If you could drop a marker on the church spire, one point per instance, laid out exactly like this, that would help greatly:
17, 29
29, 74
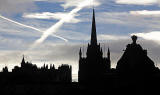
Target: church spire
93, 34
80, 53
108, 54
23, 61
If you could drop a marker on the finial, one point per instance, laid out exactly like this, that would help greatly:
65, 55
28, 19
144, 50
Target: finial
134, 39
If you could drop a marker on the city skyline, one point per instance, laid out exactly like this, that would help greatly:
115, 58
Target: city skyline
135, 73
116, 21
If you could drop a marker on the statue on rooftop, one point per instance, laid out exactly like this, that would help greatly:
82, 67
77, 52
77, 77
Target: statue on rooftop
134, 39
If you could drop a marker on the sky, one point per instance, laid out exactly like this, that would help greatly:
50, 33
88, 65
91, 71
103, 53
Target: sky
52, 31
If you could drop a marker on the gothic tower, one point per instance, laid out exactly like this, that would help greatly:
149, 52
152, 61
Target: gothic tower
94, 66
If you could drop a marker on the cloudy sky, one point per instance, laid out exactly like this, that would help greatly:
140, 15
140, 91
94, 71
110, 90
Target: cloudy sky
52, 31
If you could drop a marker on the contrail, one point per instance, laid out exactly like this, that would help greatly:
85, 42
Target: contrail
56, 26
31, 27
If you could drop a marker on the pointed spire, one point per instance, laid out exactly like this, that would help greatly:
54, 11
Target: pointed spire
108, 54
80, 53
93, 34
50, 66
23, 57
101, 52
23, 61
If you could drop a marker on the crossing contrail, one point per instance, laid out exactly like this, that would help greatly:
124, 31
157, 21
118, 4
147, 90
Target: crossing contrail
36, 29
68, 17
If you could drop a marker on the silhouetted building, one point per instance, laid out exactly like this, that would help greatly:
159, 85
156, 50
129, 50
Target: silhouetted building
135, 70
29, 73
135, 60
94, 66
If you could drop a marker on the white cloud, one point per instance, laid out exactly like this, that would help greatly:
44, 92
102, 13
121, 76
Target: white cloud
73, 3
146, 13
30, 27
49, 15
154, 36
111, 37
20, 24
138, 2
128, 19
54, 28
73, 35
16, 6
